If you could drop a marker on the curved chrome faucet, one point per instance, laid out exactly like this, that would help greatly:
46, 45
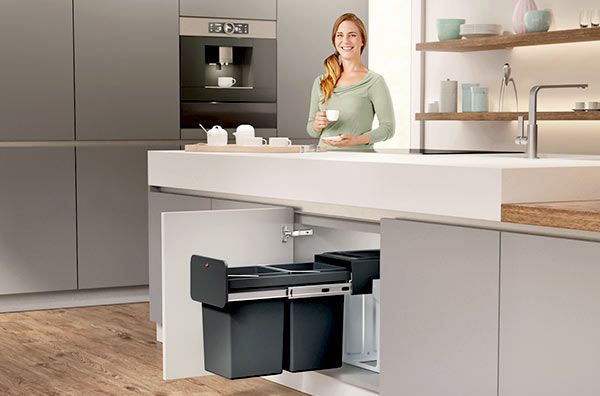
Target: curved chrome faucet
532, 135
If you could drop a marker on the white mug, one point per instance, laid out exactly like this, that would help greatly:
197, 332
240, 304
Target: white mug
279, 142
593, 105
332, 115
226, 81
254, 141
579, 105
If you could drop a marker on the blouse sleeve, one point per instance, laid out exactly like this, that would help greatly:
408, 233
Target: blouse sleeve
382, 104
314, 107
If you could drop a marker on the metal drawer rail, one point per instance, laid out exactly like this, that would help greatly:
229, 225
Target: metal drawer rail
296, 292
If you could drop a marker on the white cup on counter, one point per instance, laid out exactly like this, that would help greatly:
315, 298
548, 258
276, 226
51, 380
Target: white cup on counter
254, 141
279, 142
579, 106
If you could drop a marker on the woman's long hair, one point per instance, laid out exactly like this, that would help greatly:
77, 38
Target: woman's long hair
333, 69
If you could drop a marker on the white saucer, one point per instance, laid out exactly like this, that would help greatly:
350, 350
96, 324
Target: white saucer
332, 138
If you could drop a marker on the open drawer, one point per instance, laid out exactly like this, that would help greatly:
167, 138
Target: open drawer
260, 320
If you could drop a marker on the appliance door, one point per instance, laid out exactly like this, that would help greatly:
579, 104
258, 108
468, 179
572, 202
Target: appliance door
254, 67
228, 115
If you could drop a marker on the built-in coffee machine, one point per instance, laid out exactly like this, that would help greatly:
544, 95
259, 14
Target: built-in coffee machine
228, 73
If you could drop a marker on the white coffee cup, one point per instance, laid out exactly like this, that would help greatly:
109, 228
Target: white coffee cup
332, 115
279, 142
226, 81
254, 141
579, 105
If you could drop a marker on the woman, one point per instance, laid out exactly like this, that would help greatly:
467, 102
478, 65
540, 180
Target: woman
352, 89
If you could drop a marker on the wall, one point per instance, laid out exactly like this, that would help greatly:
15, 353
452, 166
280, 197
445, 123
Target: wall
390, 50
555, 64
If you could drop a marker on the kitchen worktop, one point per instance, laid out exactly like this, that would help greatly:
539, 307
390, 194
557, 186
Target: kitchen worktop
577, 215
374, 185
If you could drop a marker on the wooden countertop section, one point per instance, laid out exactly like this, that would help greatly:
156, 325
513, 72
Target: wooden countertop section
577, 215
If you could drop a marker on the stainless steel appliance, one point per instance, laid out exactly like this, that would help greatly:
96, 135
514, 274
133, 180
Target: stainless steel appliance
244, 51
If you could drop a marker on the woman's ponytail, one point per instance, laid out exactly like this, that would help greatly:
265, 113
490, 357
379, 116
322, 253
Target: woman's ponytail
333, 71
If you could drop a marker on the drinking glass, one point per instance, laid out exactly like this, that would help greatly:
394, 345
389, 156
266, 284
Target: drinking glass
595, 19
584, 18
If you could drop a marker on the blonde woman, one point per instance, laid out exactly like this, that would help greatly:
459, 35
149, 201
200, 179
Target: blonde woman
352, 89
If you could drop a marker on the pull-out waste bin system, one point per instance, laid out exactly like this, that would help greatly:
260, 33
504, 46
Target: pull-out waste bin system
260, 320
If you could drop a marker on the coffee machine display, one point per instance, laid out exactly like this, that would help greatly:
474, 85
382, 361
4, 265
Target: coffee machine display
228, 73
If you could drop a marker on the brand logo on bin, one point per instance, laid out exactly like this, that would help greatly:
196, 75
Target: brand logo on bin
206, 265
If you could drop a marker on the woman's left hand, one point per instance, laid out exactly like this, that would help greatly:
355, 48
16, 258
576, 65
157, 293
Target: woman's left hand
349, 140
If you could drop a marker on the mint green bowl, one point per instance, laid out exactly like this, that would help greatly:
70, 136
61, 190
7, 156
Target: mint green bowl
449, 29
537, 21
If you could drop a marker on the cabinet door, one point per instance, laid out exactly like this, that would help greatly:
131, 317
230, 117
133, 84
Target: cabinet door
112, 216
36, 88
159, 203
549, 316
247, 9
37, 227
299, 62
439, 310
127, 69
239, 237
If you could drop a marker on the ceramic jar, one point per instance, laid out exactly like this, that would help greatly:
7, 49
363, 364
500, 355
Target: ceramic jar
518, 19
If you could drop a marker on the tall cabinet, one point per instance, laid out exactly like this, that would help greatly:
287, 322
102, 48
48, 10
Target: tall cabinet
36, 88
303, 43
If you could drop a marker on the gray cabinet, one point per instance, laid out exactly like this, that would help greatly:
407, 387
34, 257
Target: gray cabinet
247, 9
299, 62
37, 226
112, 216
126, 69
36, 88
439, 310
159, 203
549, 316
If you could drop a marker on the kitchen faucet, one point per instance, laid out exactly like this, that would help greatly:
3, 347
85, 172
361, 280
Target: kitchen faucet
532, 135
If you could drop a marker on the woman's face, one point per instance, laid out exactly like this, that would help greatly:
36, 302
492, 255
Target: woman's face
348, 41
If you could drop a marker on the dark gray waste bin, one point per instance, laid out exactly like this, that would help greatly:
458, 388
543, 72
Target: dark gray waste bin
244, 339
313, 333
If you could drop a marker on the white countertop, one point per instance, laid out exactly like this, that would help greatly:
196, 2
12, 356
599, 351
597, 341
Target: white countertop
468, 186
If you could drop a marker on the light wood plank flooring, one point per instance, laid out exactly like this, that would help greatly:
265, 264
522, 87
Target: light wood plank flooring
105, 350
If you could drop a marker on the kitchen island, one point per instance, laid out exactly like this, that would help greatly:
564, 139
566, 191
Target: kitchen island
463, 296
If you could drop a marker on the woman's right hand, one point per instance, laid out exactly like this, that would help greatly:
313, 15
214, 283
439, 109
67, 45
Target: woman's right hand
320, 121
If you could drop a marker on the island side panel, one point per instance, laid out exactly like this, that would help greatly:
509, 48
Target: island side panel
439, 310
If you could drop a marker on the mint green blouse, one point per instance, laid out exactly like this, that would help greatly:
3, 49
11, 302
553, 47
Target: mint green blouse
358, 103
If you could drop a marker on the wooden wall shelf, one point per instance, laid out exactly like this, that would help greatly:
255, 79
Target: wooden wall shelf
512, 40
510, 116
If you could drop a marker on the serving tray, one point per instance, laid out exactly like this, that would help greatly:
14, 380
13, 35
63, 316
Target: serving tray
234, 148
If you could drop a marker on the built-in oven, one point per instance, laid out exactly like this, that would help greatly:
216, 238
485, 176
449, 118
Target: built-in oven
228, 75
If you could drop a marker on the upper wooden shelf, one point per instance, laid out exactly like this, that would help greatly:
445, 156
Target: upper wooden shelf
510, 116
512, 40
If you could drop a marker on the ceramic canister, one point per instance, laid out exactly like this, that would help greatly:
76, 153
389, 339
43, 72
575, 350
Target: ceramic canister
521, 8
479, 99
448, 96
466, 96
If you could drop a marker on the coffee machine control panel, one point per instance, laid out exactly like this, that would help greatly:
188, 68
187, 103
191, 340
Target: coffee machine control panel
228, 27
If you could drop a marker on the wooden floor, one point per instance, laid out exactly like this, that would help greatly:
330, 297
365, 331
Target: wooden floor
106, 350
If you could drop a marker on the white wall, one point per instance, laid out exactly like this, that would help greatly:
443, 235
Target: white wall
390, 50
555, 64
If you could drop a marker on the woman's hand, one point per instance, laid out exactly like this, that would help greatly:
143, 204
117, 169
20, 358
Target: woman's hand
349, 140
320, 121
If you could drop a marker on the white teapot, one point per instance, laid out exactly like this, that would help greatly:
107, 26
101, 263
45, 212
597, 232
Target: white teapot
242, 133
216, 136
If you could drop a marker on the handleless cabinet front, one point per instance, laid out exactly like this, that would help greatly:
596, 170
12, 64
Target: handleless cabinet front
300, 61
126, 69
246, 9
37, 226
36, 87
112, 216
